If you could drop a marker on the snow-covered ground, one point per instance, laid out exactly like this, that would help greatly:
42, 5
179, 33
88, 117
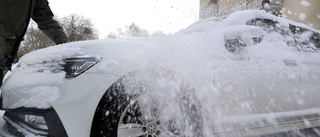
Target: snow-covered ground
199, 54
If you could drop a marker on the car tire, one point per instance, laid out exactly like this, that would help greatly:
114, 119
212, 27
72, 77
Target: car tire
151, 103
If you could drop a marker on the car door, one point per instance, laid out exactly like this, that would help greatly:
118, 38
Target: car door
307, 43
310, 83
308, 46
254, 102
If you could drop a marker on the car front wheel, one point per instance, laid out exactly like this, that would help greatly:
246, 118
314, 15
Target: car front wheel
148, 104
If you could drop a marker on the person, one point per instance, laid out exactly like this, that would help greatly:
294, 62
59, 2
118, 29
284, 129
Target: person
15, 16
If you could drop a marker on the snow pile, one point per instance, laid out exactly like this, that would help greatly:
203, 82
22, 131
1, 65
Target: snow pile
35, 76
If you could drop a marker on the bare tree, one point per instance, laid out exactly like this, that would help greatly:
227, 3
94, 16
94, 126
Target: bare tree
112, 35
132, 30
79, 28
135, 31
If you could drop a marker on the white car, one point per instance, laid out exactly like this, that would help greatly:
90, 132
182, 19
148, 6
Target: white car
250, 74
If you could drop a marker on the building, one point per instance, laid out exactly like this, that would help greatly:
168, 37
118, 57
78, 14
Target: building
303, 11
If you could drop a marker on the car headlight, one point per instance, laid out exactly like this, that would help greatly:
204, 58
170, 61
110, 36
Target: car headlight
74, 66
34, 121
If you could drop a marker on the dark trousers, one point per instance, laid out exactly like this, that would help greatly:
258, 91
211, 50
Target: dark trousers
6, 48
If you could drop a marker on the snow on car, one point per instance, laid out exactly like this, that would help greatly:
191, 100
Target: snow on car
249, 74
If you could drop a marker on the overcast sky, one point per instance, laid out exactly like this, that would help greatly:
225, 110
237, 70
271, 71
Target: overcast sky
167, 16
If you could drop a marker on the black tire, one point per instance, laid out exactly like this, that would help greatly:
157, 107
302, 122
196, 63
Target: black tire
137, 105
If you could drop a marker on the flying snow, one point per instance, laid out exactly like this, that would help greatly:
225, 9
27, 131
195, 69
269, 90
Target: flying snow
302, 16
305, 3
223, 79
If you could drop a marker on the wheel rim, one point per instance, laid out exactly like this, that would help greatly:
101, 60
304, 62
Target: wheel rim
142, 118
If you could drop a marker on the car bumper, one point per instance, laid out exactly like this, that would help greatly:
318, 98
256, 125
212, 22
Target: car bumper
75, 107
33, 121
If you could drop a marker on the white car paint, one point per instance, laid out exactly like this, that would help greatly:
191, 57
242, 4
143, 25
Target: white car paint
257, 87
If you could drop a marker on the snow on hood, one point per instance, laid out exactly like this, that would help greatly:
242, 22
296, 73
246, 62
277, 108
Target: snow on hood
33, 76
54, 53
197, 53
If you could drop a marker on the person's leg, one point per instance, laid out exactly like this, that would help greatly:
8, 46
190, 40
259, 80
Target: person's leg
6, 47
